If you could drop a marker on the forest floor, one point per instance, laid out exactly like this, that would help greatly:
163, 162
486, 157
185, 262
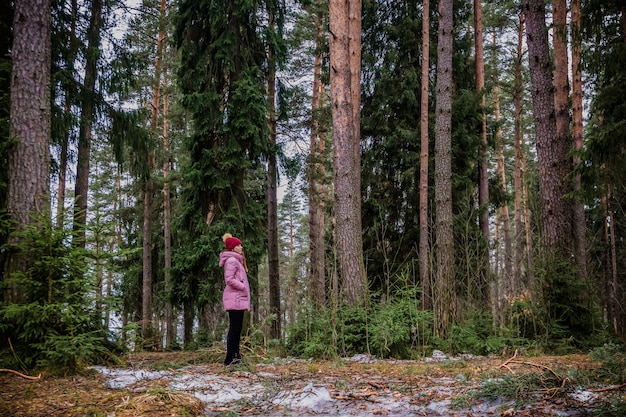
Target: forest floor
197, 384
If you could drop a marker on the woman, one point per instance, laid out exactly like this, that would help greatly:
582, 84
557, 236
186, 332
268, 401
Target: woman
236, 297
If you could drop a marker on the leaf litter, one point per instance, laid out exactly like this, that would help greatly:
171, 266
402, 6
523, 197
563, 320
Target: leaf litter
169, 384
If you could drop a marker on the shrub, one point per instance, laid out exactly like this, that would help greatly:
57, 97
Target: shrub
476, 335
393, 328
612, 356
56, 327
312, 335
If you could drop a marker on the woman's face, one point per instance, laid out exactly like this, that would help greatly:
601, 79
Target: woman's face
238, 249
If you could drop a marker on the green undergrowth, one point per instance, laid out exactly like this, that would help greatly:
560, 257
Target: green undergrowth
526, 387
395, 328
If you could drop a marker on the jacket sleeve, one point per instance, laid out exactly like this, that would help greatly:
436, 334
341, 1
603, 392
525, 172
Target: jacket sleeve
231, 275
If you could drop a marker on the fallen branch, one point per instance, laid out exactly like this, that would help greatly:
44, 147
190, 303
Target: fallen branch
542, 367
613, 388
512, 360
506, 363
11, 371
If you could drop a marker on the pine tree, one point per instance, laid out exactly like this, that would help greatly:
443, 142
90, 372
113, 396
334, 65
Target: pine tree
604, 23
345, 44
29, 130
316, 166
88, 105
424, 244
445, 295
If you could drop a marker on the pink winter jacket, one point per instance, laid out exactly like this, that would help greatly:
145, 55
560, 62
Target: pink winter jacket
237, 291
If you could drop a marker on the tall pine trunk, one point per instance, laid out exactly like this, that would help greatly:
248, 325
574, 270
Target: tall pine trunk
552, 150
532, 284
506, 231
507, 288
424, 245
445, 296
517, 159
344, 33
81, 189
505, 281
577, 132
170, 321
147, 328
30, 124
317, 279
272, 199
563, 139
67, 107
563, 291
614, 291
483, 160
292, 289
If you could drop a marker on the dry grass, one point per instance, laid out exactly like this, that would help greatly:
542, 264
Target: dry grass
152, 403
87, 396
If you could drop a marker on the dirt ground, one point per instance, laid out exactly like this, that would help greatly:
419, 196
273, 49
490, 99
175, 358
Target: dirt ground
360, 387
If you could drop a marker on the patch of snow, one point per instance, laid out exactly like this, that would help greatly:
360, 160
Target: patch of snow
437, 356
122, 378
222, 397
311, 397
584, 396
362, 358
440, 407
268, 390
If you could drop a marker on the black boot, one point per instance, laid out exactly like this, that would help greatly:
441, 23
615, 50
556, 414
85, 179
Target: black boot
232, 358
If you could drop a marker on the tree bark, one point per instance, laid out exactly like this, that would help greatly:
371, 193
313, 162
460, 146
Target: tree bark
532, 285
562, 110
506, 231
507, 288
30, 124
147, 328
485, 274
272, 200
483, 160
517, 162
116, 242
552, 150
445, 296
344, 16
293, 287
170, 322
81, 189
424, 244
67, 107
577, 132
317, 279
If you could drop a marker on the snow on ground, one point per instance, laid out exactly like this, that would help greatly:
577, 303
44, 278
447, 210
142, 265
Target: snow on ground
266, 391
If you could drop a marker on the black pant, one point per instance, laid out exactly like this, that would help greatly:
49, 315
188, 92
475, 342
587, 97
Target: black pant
235, 318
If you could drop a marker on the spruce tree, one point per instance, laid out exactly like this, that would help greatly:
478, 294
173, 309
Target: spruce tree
223, 83
604, 23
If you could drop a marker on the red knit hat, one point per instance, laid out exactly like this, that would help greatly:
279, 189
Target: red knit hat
230, 241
